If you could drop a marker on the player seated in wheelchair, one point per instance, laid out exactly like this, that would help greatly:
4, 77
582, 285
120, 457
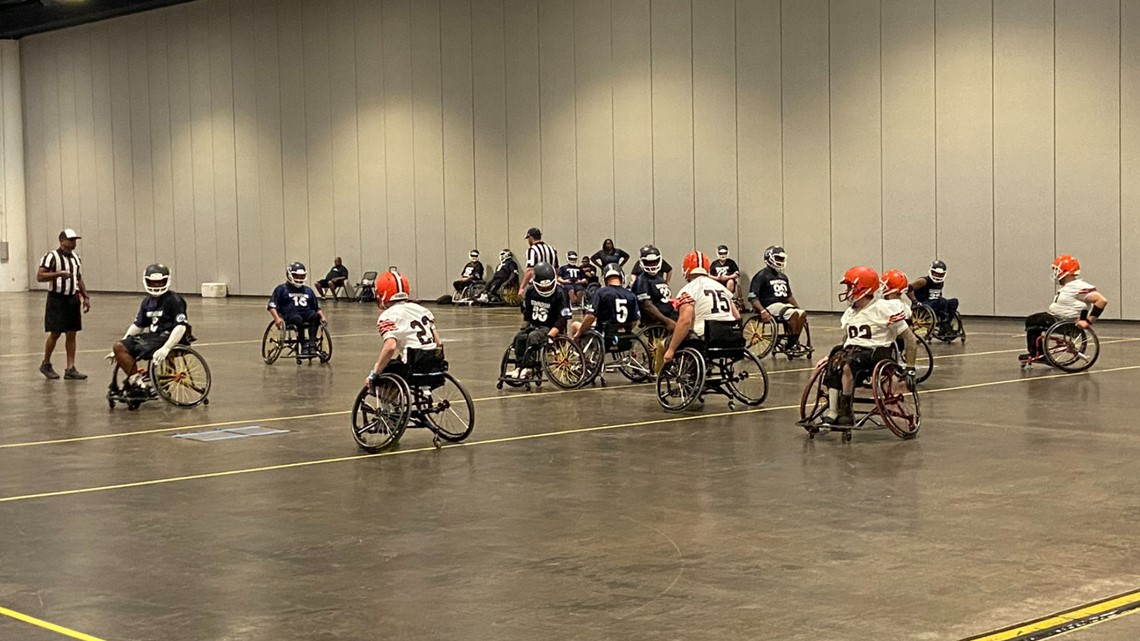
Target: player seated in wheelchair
870, 327
771, 297
546, 312
612, 311
652, 291
160, 324
725, 271
506, 277
470, 275
1076, 300
294, 304
411, 343
589, 272
928, 290
702, 300
573, 279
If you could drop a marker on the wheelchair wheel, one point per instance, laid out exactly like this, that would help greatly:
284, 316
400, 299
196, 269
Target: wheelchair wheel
923, 320
682, 381
748, 381
656, 338
452, 414
324, 344
896, 404
814, 401
923, 362
594, 351
272, 342
637, 364
510, 296
508, 359
380, 413
1070, 348
955, 330
563, 362
759, 336
591, 289
183, 379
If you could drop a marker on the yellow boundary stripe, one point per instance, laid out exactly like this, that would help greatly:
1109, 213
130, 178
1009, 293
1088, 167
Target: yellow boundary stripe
1051, 621
47, 625
505, 439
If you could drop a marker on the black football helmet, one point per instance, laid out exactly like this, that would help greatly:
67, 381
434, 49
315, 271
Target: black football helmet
938, 271
545, 281
156, 279
650, 260
776, 258
296, 274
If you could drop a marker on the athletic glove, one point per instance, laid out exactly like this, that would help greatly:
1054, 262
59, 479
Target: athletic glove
160, 355
110, 357
910, 378
373, 379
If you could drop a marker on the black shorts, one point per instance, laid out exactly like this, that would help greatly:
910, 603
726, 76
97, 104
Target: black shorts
861, 359
63, 313
143, 346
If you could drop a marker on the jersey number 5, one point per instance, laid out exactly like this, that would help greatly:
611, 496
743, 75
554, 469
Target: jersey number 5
621, 310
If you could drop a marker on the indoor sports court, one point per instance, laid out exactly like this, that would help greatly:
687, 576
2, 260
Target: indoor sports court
293, 344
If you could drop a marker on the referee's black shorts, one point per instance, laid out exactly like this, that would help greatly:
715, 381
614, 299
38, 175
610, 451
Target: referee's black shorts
63, 313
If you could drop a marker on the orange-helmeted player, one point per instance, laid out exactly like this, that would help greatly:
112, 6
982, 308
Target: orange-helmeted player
408, 328
1076, 299
703, 299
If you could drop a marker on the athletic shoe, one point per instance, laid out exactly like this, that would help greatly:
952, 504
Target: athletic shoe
73, 374
48, 371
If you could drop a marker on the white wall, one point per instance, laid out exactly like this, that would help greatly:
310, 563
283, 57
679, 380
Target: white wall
228, 137
13, 216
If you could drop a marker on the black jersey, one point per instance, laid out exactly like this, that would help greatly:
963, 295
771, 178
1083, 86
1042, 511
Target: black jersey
726, 267
507, 269
546, 311
614, 308
473, 270
590, 273
162, 314
653, 288
770, 286
572, 274
666, 268
929, 291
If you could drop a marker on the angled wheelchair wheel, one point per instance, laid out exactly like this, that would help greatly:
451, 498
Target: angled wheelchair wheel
452, 414
681, 381
563, 362
922, 320
637, 364
507, 361
656, 338
272, 342
380, 413
324, 344
814, 401
1070, 348
895, 402
923, 362
748, 381
954, 330
510, 296
759, 336
594, 351
183, 378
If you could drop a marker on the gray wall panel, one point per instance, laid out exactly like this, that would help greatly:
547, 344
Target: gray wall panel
594, 125
524, 140
458, 144
673, 221
428, 147
714, 126
557, 104
633, 125
1130, 158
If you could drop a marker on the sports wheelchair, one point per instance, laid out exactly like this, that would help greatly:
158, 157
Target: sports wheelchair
470, 292
928, 326
891, 402
181, 379
720, 364
629, 354
508, 294
923, 359
286, 340
560, 360
763, 338
1067, 347
419, 394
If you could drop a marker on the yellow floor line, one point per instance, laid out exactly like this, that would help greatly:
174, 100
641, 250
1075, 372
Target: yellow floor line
1061, 618
505, 439
47, 625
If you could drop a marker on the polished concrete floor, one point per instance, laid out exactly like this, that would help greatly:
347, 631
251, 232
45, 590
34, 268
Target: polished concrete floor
585, 515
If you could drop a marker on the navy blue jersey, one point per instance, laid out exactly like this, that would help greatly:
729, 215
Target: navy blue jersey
653, 288
929, 291
572, 274
546, 311
162, 314
590, 273
769, 287
287, 298
613, 308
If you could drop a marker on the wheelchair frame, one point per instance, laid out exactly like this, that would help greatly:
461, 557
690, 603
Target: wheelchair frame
276, 341
923, 361
926, 325
396, 403
694, 372
175, 376
763, 338
557, 356
1064, 344
887, 403
634, 369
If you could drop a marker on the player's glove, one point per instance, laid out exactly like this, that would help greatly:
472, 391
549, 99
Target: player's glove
110, 357
910, 378
160, 355
373, 379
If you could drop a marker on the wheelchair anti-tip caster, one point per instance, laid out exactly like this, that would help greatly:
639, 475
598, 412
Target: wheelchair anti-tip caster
499, 385
732, 406
846, 436
436, 442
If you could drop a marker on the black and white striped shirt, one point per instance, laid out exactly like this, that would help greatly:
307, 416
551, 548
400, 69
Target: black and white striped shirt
57, 261
540, 252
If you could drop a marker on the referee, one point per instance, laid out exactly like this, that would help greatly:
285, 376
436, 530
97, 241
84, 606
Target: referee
538, 252
67, 296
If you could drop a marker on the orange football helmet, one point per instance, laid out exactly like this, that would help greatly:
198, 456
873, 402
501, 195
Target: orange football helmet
695, 263
894, 282
1065, 265
860, 282
392, 286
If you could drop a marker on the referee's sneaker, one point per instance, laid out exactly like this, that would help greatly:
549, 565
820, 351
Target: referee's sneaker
67, 301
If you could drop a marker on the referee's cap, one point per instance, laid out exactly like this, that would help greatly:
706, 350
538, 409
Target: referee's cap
535, 233
69, 234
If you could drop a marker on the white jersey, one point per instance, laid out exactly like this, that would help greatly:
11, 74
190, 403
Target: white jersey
876, 325
711, 301
1070, 299
896, 305
410, 324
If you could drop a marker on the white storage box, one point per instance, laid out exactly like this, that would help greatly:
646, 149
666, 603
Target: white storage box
214, 290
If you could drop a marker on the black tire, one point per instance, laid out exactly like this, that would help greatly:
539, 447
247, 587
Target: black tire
183, 378
380, 413
452, 414
922, 321
503, 364
748, 381
637, 364
895, 403
682, 381
594, 351
563, 362
1070, 348
759, 336
814, 401
272, 342
324, 344
923, 362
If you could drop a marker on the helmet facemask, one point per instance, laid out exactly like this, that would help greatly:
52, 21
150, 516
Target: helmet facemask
156, 280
